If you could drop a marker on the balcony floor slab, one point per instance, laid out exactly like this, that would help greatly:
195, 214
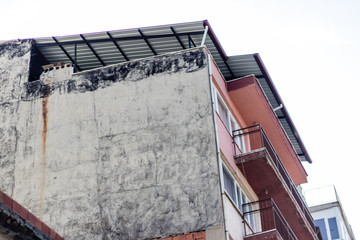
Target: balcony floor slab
271, 234
267, 182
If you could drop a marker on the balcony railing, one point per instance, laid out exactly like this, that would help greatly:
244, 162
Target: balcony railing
256, 137
267, 217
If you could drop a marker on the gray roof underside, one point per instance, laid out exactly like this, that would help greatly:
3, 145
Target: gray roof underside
95, 50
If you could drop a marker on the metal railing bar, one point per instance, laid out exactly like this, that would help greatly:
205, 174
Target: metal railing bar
265, 142
271, 218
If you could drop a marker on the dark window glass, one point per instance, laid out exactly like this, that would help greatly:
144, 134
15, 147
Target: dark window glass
321, 224
334, 232
239, 203
229, 184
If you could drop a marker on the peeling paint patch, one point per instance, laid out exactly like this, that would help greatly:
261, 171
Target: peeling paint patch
14, 49
190, 61
14, 66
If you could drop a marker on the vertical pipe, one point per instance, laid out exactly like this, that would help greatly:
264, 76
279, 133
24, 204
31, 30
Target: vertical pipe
75, 57
233, 138
189, 41
217, 146
261, 136
204, 36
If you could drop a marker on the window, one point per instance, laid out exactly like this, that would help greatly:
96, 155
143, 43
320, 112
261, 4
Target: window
334, 232
321, 224
228, 119
243, 199
223, 112
239, 140
251, 220
229, 184
237, 195
235, 126
248, 208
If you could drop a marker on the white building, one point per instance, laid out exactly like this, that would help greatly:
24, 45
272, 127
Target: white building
328, 213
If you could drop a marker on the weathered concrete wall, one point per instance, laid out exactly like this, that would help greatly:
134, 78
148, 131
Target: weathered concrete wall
14, 71
125, 152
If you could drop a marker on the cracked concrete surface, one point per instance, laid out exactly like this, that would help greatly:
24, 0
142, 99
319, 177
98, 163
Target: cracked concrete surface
129, 151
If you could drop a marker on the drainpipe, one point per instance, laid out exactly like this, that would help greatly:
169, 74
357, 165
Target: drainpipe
204, 36
216, 141
278, 107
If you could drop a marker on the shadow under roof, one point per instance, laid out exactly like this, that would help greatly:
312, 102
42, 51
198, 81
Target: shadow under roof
93, 50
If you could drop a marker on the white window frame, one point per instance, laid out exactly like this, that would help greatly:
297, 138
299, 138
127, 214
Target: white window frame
220, 101
249, 218
239, 140
228, 122
234, 185
240, 198
243, 197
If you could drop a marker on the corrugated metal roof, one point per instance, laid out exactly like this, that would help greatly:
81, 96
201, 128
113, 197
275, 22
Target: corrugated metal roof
112, 47
94, 50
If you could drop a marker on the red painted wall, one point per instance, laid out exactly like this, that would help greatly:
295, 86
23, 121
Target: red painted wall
249, 106
185, 236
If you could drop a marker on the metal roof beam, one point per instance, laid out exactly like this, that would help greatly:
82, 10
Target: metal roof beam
147, 42
118, 47
191, 40
92, 49
228, 67
177, 37
66, 53
259, 76
119, 39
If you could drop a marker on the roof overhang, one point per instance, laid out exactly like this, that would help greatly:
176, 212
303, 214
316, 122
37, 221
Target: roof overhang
251, 64
248, 97
93, 50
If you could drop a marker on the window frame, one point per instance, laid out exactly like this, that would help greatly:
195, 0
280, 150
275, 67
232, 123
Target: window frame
322, 226
219, 101
238, 201
231, 193
230, 119
239, 140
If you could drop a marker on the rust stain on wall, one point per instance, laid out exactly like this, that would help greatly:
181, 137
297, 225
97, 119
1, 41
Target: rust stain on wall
44, 111
44, 114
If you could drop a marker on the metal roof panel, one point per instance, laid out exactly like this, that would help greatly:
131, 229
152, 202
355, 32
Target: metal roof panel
111, 47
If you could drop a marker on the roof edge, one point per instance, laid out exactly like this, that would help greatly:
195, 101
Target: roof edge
278, 98
215, 40
20, 213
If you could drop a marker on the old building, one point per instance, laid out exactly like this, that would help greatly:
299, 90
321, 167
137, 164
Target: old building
149, 133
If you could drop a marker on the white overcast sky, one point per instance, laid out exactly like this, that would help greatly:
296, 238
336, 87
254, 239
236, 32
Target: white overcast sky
310, 48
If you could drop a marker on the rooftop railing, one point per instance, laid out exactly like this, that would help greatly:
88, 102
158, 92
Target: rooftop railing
267, 217
256, 139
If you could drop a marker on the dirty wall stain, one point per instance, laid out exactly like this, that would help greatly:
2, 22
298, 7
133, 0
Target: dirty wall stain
44, 114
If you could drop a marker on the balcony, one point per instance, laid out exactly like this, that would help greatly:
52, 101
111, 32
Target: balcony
266, 174
270, 221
